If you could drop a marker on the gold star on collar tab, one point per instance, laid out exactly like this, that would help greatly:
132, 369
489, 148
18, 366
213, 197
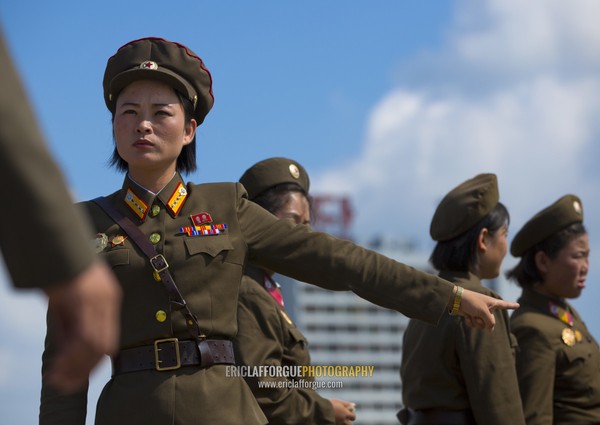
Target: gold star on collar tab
177, 199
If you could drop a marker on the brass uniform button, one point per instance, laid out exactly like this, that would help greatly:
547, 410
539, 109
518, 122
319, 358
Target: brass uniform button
161, 316
155, 210
155, 238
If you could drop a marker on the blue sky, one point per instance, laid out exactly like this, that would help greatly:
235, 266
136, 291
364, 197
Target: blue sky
293, 80
392, 103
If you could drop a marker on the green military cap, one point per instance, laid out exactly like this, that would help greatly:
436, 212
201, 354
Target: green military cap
564, 212
272, 172
464, 206
162, 60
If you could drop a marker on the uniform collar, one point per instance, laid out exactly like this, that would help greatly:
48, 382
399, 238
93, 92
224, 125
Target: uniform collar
139, 200
552, 306
465, 279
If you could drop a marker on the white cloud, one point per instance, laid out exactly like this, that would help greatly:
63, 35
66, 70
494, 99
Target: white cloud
517, 36
496, 41
418, 147
504, 96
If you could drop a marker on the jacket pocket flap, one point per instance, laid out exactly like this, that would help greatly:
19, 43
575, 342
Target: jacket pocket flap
211, 245
117, 257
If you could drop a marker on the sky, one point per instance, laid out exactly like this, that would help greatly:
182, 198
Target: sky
391, 103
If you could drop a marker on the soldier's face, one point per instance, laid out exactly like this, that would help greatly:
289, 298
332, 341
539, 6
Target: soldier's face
565, 275
149, 126
296, 209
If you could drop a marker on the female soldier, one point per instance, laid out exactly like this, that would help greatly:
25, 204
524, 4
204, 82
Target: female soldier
558, 362
452, 374
266, 334
179, 251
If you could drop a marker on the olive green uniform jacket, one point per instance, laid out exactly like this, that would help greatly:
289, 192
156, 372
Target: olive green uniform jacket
38, 219
454, 367
558, 364
267, 336
208, 270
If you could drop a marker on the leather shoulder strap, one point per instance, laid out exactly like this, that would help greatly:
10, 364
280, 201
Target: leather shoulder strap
157, 261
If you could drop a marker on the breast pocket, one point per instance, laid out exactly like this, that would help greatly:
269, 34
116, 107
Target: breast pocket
117, 257
576, 354
576, 371
211, 247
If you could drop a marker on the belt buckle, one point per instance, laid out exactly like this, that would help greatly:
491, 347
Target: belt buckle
157, 349
158, 258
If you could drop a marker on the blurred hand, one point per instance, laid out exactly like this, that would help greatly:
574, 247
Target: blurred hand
345, 412
86, 312
477, 309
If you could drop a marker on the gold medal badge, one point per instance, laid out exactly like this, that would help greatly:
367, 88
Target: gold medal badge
578, 336
100, 243
118, 240
568, 337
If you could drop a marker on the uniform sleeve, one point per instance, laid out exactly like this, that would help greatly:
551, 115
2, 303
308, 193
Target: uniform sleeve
322, 260
260, 341
536, 363
35, 198
55, 407
488, 367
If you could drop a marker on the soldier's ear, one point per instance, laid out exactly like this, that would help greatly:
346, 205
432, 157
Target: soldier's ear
481, 240
542, 262
189, 132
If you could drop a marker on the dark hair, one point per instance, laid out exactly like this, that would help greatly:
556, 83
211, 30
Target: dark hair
526, 273
274, 198
186, 161
460, 254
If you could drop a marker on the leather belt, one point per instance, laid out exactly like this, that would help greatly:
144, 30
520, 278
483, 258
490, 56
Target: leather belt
436, 417
171, 354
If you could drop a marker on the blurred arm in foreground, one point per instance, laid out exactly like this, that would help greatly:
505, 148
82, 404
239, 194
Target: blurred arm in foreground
43, 239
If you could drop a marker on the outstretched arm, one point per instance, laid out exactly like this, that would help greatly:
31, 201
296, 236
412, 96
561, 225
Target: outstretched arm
477, 309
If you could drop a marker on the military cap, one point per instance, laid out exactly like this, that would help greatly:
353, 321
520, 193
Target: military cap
562, 213
162, 60
271, 172
464, 206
